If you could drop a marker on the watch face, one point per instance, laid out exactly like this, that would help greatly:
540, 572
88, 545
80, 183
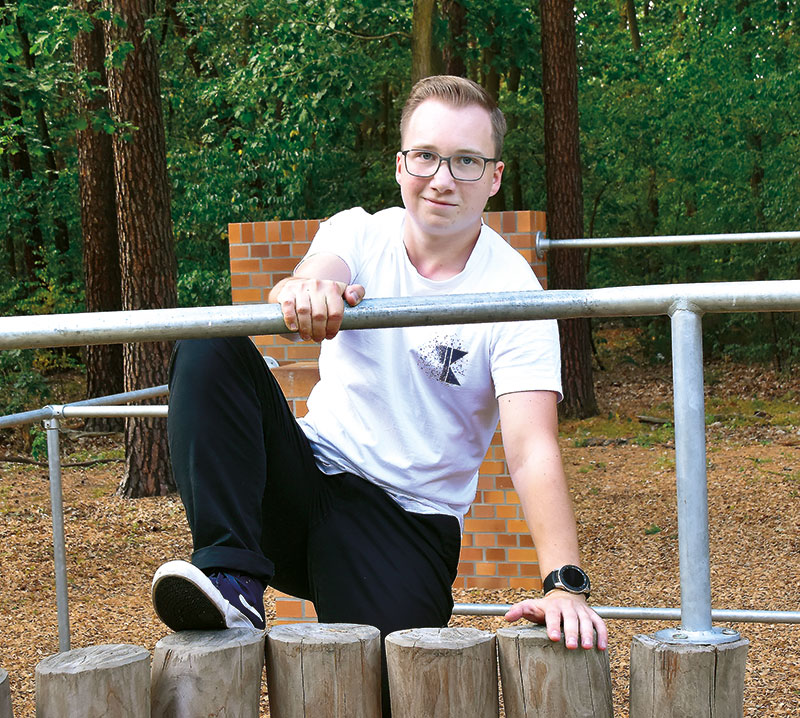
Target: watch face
574, 579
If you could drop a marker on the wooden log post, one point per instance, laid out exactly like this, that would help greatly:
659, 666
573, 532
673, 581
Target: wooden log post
318, 669
687, 681
442, 673
208, 673
5, 696
542, 678
111, 681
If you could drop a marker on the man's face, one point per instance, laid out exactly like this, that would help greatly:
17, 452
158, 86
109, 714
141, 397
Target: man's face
441, 205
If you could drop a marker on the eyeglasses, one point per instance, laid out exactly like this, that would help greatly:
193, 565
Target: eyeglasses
464, 168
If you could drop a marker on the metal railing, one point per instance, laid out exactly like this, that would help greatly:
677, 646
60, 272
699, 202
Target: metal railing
543, 244
684, 304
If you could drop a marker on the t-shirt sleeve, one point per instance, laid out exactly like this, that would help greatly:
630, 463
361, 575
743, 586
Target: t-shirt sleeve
341, 235
526, 356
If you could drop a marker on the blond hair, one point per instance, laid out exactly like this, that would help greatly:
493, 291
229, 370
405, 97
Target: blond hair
458, 92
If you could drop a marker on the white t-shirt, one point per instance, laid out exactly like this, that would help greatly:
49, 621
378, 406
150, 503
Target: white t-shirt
414, 409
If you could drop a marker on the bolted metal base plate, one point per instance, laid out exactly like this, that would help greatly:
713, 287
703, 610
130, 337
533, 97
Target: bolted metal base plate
678, 636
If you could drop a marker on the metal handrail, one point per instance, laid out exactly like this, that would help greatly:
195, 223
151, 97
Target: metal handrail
543, 244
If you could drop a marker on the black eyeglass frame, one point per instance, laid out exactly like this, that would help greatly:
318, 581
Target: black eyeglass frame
442, 158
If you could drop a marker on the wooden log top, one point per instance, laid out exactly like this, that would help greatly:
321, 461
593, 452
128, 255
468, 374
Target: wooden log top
443, 638
323, 633
92, 657
210, 640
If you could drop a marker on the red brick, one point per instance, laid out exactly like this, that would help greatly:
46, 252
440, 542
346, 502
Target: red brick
273, 232
495, 554
262, 279
507, 512
493, 220
522, 554
485, 569
507, 569
289, 608
234, 233
529, 569
508, 539
523, 221
300, 230
483, 511
244, 296
260, 232
243, 266
485, 482
239, 251
471, 554
303, 352
494, 497
279, 264
240, 280
280, 250
260, 250
286, 231
508, 221
488, 539
525, 539
484, 525
465, 568
247, 232
493, 467
299, 249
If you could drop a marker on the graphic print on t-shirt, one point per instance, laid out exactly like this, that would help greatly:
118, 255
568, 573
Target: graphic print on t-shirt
443, 359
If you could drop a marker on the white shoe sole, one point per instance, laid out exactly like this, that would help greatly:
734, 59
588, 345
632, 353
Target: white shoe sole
185, 600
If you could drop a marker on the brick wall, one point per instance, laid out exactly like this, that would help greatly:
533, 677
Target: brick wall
496, 550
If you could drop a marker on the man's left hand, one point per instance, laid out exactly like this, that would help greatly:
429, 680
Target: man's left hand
569, 610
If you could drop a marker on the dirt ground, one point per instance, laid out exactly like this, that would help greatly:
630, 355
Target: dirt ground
623, 484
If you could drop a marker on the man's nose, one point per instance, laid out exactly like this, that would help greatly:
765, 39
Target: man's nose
448, 176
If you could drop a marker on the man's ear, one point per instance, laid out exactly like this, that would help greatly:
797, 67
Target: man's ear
398, 169
497, 177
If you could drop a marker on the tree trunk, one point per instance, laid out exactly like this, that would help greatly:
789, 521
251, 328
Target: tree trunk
633, 24
454, 51
101, 269
565, 268
422, 39
147, 255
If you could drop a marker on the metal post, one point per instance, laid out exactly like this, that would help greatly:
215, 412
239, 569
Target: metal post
692, 488
59, 544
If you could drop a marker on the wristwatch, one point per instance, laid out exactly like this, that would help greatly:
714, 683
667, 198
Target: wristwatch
569, 578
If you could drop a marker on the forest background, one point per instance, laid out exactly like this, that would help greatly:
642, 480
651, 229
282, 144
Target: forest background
275, 109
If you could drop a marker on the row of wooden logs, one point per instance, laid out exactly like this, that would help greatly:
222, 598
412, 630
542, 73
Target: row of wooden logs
333, 670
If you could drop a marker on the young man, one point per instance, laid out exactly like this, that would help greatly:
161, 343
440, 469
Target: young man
358, 506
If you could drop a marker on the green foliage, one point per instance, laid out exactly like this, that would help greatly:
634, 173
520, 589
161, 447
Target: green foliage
280, 109
21, 385
694, 133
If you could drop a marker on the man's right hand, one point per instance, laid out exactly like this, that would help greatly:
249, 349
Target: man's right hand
314, 307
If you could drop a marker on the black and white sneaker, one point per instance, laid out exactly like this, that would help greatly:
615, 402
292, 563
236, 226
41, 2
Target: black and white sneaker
187, 599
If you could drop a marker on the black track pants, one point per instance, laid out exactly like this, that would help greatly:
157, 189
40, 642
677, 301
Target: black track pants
257, 503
